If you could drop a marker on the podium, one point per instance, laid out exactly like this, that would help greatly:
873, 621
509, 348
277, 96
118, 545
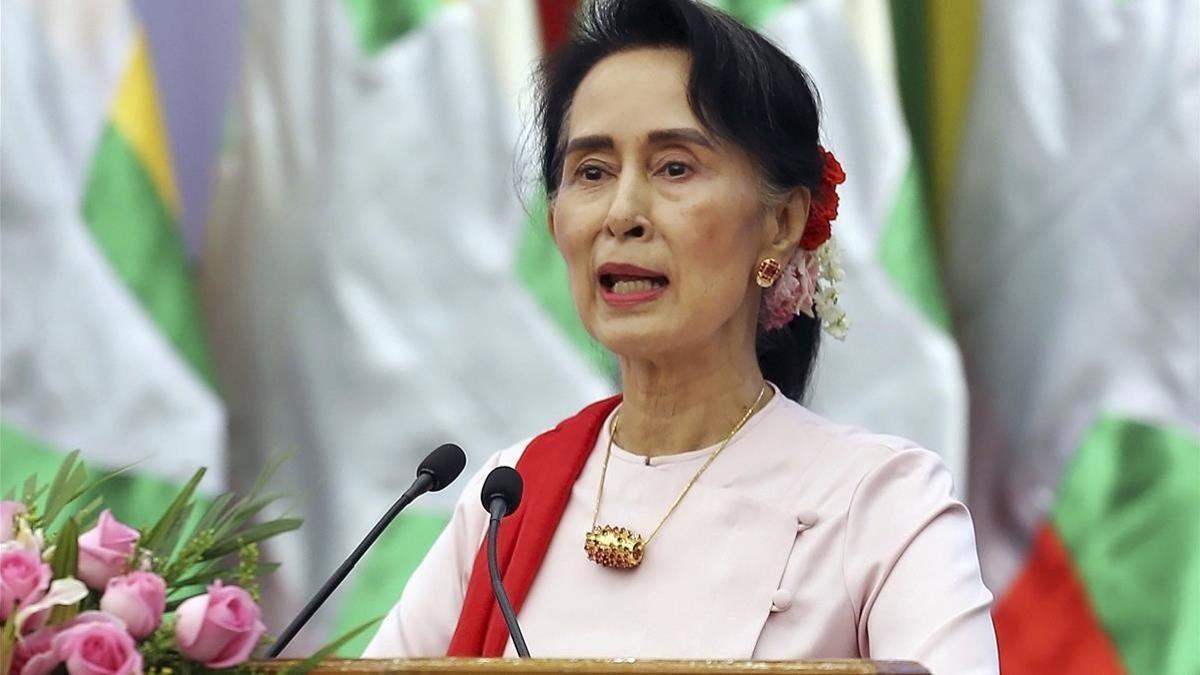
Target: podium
597, 666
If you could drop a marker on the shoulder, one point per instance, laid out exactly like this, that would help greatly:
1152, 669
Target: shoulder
508, 456
838, 458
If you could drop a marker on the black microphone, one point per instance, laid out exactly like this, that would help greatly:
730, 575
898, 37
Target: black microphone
437, 470
501, 495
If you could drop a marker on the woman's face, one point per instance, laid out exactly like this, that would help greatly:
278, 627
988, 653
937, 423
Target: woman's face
660, 224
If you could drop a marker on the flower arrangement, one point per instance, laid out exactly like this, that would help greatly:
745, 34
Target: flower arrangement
808, 284
84, 593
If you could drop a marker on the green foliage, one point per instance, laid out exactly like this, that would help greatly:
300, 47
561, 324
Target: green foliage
174, 516
193, 543
159, 647
66, 550
250, 535
62, 564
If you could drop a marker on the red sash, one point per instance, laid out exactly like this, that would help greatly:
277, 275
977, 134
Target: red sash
549, 466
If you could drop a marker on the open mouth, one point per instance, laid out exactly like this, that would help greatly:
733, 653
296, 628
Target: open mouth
622, 284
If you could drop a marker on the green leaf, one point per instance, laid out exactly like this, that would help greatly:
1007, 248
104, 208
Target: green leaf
250, 535
233, 517
72, 489
159, 532
85, 515
57, 495
64, 469
77, 479
176, 600
8, 637
315, 660
101, 480
66, 550
207, 577
269, 472
31, 489
243, 511
63, 564
169, 540
213, 512
252, 509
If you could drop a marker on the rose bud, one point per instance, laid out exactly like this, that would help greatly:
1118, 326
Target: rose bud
105, 550
138, 599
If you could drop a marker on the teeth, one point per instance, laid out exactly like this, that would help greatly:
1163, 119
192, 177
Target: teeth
638, 286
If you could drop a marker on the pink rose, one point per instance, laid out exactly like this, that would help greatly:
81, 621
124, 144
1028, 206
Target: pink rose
32, 655
138, 599
8, 511
23, 578
105, 550
219, 629
94, 644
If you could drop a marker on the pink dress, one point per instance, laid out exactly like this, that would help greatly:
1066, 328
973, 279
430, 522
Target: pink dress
804, 539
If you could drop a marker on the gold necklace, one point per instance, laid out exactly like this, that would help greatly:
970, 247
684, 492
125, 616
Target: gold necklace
621, 548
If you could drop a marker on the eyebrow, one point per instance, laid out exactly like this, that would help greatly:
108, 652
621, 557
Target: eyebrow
658, 137
684, 135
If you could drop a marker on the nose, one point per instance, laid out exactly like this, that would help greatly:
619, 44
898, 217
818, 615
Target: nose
627, 214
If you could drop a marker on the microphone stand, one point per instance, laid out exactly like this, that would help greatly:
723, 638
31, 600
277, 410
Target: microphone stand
419, 487
497, 510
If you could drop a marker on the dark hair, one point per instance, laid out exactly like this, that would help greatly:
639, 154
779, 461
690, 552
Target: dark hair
741, 87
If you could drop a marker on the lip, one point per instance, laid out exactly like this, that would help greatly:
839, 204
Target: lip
627, 270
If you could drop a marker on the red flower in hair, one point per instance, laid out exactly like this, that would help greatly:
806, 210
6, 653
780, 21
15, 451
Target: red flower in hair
824, 207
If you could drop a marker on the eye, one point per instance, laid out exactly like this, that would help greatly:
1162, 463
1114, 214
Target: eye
676, 169
591, 173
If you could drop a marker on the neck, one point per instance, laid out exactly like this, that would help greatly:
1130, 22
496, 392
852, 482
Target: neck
686, 401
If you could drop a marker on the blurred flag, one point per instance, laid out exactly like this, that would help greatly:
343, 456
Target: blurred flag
103, 346
361, 260
1074, 264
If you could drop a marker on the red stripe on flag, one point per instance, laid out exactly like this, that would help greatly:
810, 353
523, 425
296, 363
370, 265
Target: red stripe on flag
556, 21
1045, 624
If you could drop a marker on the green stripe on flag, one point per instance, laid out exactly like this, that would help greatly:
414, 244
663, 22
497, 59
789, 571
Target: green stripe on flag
380, 22
130, 223
1129, 512
381, 575
751, 12
134, 498
909, 253
910, 31
541, 268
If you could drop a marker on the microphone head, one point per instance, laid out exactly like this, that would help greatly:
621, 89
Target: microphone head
443, 465
502, 483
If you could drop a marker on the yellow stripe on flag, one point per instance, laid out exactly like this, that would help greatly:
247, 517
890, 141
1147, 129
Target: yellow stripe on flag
138, 118
953, 43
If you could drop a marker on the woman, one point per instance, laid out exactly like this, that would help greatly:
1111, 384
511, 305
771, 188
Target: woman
704, 513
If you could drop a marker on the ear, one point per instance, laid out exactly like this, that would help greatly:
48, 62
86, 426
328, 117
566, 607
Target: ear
550, 219
785, 225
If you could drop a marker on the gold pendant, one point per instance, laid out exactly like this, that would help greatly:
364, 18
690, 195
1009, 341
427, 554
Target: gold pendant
614, 547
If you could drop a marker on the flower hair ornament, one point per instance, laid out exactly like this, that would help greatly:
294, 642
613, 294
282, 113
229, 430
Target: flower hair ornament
808, 282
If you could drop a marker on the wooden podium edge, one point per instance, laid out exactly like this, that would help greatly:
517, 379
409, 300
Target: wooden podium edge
459, 666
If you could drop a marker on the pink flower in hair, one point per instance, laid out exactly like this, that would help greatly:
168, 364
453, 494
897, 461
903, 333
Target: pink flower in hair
792, 293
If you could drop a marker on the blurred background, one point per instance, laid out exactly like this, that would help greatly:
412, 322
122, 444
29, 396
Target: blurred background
237, 229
